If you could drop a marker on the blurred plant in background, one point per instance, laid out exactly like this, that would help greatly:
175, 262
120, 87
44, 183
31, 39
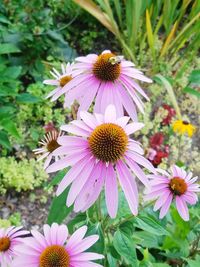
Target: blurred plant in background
164, 27
28, 174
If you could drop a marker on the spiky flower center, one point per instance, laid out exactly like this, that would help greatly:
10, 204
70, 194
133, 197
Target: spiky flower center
65, 79
52, 145
178, 186
108, 142
54, 256
4, 243
107, 67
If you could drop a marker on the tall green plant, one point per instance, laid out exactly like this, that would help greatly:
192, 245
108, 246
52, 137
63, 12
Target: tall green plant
141, 23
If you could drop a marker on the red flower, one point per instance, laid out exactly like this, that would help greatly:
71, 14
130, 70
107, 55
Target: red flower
157, 150
158, 157
170, 115
156, 140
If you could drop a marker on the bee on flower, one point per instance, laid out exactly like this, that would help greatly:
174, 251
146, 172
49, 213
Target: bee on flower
105, 79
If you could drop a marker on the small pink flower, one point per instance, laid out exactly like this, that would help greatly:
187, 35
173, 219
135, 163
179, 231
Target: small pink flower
54, 248
9, 239
107, 78
60, 79
178, 186
49, 144
101, 152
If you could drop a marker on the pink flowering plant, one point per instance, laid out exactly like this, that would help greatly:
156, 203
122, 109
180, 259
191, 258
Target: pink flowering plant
113, 205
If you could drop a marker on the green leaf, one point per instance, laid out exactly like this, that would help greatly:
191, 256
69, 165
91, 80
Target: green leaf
59, 211
4, 141
150, 225
126, 248
191, 91
3, 19
127, 228
10, 127
8, 48
27, 98
170, 92
96, 229
194, 77
160, 265
146, 239
111, 261
78, 221
13, 72
193, 263
7, 110
59, 176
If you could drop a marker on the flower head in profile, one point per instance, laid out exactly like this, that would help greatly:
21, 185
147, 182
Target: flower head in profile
60, 79
178, 186
107, 78
49, 144
9, 239
101, 151
183, 127
54, 248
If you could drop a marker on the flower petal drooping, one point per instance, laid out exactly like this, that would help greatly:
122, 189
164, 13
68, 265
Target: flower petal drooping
100, 153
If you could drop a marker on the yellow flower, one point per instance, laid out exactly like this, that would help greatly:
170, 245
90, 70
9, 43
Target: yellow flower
183, 127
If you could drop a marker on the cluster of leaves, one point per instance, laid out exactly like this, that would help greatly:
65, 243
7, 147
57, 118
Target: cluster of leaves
27, 174
142, 241
14, 219
25, 44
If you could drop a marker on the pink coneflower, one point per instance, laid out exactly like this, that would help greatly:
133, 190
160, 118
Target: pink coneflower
49, 144
55, 249
178, 186
107, 78
61, 79
101, 152
9, 239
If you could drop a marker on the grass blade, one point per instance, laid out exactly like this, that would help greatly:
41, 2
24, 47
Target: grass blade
150, 36
95, 11
171, 93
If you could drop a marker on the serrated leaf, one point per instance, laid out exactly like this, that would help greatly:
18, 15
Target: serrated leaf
8, 48
126, 248
59, 211
96, 229
150, 225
